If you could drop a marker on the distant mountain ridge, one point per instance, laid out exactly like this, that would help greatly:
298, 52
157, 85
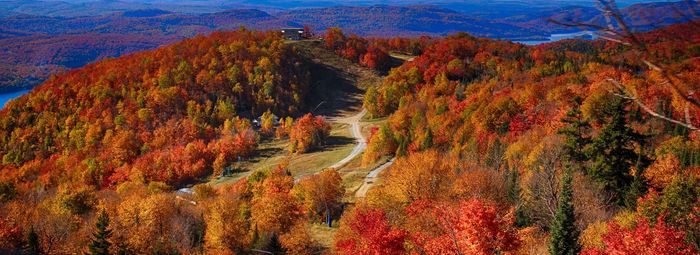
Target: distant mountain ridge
74, 8
641, 17
382, 20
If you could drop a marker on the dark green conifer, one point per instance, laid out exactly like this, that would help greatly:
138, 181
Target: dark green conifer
564, 234
32, 247
100, 243
576, 137
613, 153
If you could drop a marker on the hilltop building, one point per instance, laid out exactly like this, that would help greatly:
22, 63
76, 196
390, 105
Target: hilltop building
293, 33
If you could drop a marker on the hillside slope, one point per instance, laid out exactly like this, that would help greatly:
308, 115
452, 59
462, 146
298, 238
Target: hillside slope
125, 112
640, 17
63, 43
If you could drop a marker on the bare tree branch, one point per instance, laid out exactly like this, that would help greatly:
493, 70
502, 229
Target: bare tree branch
617, 30
687, 124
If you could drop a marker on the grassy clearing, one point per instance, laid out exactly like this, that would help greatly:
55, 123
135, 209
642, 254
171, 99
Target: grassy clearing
401, 56
274, 152
340, 145
323, 234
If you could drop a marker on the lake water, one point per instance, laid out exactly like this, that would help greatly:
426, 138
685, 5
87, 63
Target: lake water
556, 37
4, 97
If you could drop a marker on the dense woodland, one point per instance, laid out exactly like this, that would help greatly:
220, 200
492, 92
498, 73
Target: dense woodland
506, 148
501, 149
32, 45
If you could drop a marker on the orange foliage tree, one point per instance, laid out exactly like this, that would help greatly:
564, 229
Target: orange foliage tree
320, 194
308, 133
275, 209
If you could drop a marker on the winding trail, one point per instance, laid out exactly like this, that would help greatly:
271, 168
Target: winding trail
354, 122
361, 146
371, 179
356, 132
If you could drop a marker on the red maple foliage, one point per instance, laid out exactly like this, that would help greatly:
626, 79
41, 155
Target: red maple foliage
643, 239
373, 233
467, 227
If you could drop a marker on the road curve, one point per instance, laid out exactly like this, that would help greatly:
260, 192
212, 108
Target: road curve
371, 179
361, 146
354, 122
356, 132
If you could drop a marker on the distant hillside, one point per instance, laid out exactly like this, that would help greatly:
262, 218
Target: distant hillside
641, 17
30, 41
404, 21
143, 22
76, 8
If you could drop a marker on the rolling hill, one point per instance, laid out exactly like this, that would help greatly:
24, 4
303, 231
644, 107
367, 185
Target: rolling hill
61, 43
640, 17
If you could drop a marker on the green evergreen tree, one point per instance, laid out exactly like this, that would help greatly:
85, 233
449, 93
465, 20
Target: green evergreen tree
512, 182
639, 184
32, 247
564, 234
613, 153
274, 245
576, 135
100, 243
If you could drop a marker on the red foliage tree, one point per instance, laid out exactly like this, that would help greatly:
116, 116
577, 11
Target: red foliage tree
468, 227
371, 234
643, 239
375, 58
334, 38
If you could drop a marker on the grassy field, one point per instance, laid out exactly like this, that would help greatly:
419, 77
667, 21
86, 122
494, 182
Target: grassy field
274, 152
323, 234
401, 56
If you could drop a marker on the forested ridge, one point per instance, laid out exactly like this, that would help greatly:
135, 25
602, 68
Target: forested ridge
112, 116
500, 148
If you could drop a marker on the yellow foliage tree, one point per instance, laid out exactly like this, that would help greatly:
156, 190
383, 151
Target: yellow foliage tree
662, 172
227, 228
320, 194
298, 241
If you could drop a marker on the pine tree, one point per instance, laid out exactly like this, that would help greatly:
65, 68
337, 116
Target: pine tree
32, 247
512, 182
100, 243
613, 153
564, 234
575, 133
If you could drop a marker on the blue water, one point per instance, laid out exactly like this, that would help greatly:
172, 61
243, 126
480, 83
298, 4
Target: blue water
557, 37
9, 96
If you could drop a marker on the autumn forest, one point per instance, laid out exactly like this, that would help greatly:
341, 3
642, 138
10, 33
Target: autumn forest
237, 142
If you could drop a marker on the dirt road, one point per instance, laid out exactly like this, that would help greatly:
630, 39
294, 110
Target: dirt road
371, 179
354, 122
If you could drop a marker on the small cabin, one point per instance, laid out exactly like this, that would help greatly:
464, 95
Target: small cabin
257, 122
293, 33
